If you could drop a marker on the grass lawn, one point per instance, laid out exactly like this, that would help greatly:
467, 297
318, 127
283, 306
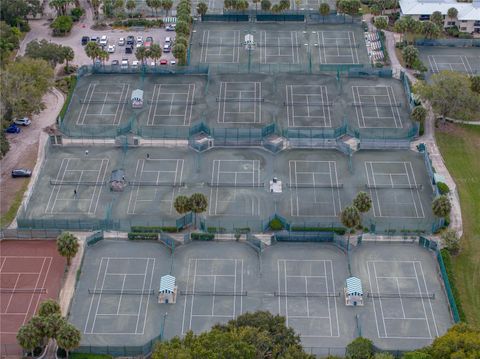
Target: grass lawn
8, 217
460, 147
89, 356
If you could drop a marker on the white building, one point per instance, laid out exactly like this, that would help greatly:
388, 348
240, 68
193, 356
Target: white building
467, 20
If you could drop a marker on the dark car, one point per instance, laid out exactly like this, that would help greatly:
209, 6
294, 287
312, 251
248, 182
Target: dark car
115, 63
94, 39
85, 40
12, 129
128, 49
21, 172
130, 40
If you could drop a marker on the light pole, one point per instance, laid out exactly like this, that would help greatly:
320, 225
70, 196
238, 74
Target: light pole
163, 326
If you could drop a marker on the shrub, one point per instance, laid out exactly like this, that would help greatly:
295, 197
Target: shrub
202, 236
70, 87
153, 229
338, 230
451, 241
138, 22
216, 229
464, 35
61, 25
276, 224
139, 236
447, 261
77, 13
443, 188
360, 348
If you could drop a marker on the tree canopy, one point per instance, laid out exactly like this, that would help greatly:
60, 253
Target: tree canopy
67, 245
49, 51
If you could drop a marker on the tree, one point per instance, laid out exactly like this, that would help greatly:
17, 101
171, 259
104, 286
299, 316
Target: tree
15, 12
416, 355
350, 217
93, 50
324, 9
49, 51
265, 5
131, 5
49, 307
107, 8
155, 52
450, 94
182, 28
198, 204
60, 6
68, 55
284, 4
52, 325
383, 356
167, 5
23, 83
118, 5
349, 7
62, 25
475, 80
451, 241
360, 348
256, 2
9, 41
419, 113
381, 22
67, 246
202, 8
156, 4
96, 7
103, 56
362, 202
437, 18
180, 52
441, 206
68, 337
182, 204
430, 29
452, 13
260, 335
29, 338
141, 54
410, 55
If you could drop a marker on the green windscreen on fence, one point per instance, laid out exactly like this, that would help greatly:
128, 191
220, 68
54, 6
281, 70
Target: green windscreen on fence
448, 288
281, 17
225, 17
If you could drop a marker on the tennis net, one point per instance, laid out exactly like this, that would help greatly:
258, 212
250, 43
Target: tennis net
103, 102
306, 294
402, 295
23, 290
315, 185
76, 183
216, 293
228, 184
236, 99
121, 291
156, 184
373, 104
168, 102
311, 104
270, 44
394, 186
337, 46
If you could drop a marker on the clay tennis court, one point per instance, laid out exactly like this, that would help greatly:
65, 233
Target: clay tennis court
30, 272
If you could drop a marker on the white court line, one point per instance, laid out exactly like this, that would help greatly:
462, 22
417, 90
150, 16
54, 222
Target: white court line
423, 301
429, 300
99, 296
379, 301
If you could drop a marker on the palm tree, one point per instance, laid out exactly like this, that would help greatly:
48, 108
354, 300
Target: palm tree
430, 29
202, 8
156, 4
141, 54
67, 246
155, 52
441, 206
131, 5
350, 218
60, 6
48, 307
452, 13
103, 56
182, 204
93, 51
52, 324
362, 202
167, 5
437, 18
180, 52
28, 337
68, 55
96, 6
265, 5
324, 9
284, 4
198, 204
68, 337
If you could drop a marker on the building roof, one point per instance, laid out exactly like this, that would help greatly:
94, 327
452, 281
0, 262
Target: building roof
354, 286
167, 283
137, 94
117, 175
466, 11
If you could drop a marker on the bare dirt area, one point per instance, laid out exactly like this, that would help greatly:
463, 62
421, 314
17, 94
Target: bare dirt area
24, 148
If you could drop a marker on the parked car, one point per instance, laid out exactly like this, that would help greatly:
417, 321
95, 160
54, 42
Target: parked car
85, 40
173, 62
163, 62
148, 42
124, 64
139, 44
111, 49
12, 129
121, 41
21, 172
170, 27
130, 40
115, 63
135, 63
129, 49
94, 39
166, 48
168, 40
103, 40
22, 121
140, 39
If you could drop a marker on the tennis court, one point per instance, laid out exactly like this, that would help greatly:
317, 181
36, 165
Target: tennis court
286, 43
316, 186
458, 59
30, 272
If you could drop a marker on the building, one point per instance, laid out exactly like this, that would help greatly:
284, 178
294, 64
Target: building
353, 292
137, 98
167, 293
467, 20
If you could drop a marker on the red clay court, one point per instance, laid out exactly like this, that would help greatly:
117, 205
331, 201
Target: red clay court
30, 272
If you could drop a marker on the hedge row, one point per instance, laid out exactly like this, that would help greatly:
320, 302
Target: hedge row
153, 229
202, 236
138, 236
447, 260
138, 22
338, 230
71, 88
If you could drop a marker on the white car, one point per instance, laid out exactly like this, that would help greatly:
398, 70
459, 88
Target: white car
140, 39
173, 62
139, 44
121, 41
103, 40
111, 49
124, 64
135, 63
22, 121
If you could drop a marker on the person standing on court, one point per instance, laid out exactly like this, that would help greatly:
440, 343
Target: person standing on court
86, 152
75, 193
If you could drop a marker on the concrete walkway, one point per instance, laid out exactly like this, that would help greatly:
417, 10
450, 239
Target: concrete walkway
429, 139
